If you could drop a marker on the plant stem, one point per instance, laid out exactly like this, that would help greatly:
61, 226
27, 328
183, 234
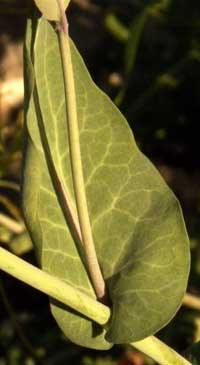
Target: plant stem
82, 303
11, 208
66, 204
11, 224
191, 301
160, 352
75, 154
9, 185
53, 287
116, 28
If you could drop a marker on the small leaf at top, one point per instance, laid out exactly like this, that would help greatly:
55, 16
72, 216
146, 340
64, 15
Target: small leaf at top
50, 9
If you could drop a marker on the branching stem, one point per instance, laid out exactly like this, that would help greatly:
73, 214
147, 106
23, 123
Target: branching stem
83, 304
75, 154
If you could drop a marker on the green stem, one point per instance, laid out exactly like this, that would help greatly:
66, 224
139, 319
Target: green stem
160, 352
64, 198
82, 303
11, 224
116, 28
10, 207
191, 301
53, 287
9, 185
75, 154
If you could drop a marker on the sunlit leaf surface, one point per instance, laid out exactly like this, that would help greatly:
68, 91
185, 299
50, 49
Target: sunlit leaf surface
137, 223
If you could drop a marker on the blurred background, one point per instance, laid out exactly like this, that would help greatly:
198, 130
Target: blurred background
146, 56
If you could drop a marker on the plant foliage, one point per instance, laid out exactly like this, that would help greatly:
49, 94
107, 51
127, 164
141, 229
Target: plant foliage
138, 228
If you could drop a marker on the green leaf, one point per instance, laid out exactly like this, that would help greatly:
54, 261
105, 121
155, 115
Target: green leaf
138, 228
47, 226
50, 9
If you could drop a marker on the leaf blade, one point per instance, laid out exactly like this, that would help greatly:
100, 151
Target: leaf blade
52, 239
132, 210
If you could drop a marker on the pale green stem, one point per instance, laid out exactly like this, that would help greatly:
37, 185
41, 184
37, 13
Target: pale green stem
10, 185
160, 352
11, 208
53, 287
75, 154
63, 195
11, 224
191, 301
116, 28
82, 303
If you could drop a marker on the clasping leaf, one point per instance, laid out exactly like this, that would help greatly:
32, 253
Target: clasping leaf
138, 228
